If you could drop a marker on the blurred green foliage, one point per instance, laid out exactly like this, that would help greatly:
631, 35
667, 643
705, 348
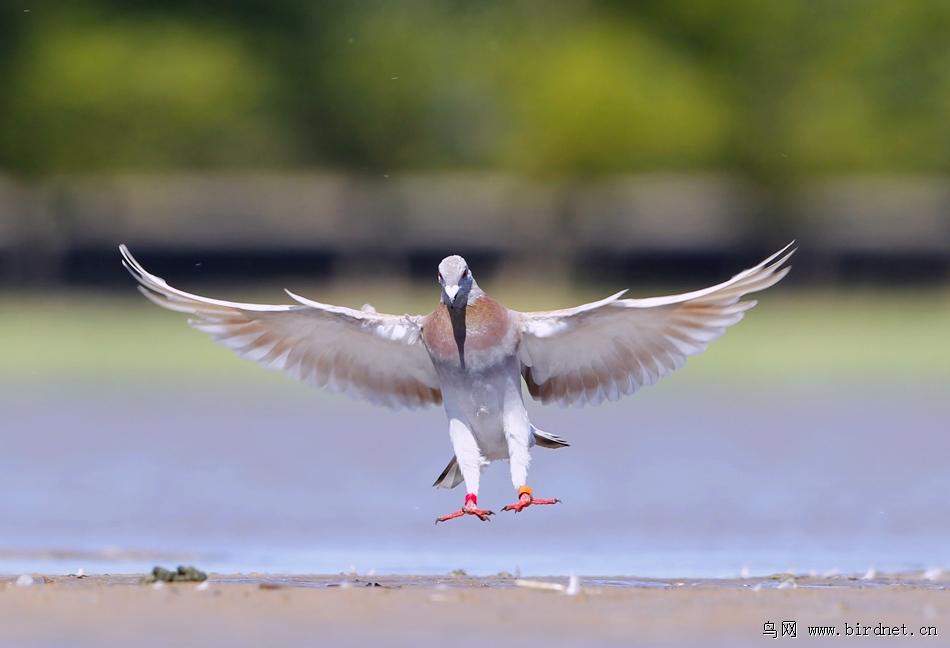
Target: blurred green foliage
569, 88
95, 92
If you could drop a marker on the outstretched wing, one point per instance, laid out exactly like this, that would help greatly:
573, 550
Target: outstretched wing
359, 352
613, 347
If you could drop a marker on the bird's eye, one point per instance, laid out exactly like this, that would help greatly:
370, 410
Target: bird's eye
440, 276
465, 274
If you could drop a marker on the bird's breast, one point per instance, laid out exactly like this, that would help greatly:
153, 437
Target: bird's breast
491, 334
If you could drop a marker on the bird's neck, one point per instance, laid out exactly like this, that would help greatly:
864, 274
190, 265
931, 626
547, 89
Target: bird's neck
457, 318
474, 293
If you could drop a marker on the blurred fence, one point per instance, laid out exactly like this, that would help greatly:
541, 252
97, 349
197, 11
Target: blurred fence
649, 228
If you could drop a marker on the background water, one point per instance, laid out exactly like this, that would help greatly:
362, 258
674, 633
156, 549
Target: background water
688, 478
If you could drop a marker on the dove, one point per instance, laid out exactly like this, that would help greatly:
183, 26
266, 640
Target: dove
473, 355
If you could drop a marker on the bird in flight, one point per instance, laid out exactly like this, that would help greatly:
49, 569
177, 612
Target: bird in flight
471, 354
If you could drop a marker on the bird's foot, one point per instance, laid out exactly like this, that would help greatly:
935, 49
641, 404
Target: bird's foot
470, 508
525, 499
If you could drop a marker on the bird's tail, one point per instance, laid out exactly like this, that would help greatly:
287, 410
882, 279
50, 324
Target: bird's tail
548, 440
451, 476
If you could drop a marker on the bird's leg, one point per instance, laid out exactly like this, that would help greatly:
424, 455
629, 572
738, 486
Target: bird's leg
470, 508
525, 499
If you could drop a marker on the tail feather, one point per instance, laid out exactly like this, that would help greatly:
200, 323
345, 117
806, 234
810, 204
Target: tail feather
548, 440
451, 476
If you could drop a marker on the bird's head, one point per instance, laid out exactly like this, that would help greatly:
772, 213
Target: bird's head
458, 284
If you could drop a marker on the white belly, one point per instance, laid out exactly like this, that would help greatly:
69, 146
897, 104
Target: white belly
483, 401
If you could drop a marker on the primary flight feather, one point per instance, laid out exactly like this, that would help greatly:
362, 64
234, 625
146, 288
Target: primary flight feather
471, 354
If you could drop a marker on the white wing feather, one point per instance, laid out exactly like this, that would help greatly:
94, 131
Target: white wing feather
613, 347
362, 353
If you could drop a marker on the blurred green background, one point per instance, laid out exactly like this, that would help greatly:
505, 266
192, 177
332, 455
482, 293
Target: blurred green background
774, 90
771, 89
594, 141
619, 135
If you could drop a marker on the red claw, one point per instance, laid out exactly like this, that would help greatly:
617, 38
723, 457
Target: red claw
470, 508
525, 499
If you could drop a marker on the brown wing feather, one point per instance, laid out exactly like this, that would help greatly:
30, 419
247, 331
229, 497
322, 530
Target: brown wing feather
365, 354
607, 349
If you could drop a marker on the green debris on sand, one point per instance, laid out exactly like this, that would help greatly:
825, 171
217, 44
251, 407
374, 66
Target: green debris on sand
782, 577
184, 574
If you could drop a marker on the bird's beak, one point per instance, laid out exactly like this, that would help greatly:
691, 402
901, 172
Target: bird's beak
451, 292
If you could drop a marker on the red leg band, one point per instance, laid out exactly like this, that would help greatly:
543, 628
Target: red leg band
471, 498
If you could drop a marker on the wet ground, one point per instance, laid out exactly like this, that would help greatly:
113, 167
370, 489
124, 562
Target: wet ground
687, 479
935, 580
271, 610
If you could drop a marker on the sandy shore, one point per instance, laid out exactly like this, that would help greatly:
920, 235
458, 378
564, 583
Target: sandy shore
269, 610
